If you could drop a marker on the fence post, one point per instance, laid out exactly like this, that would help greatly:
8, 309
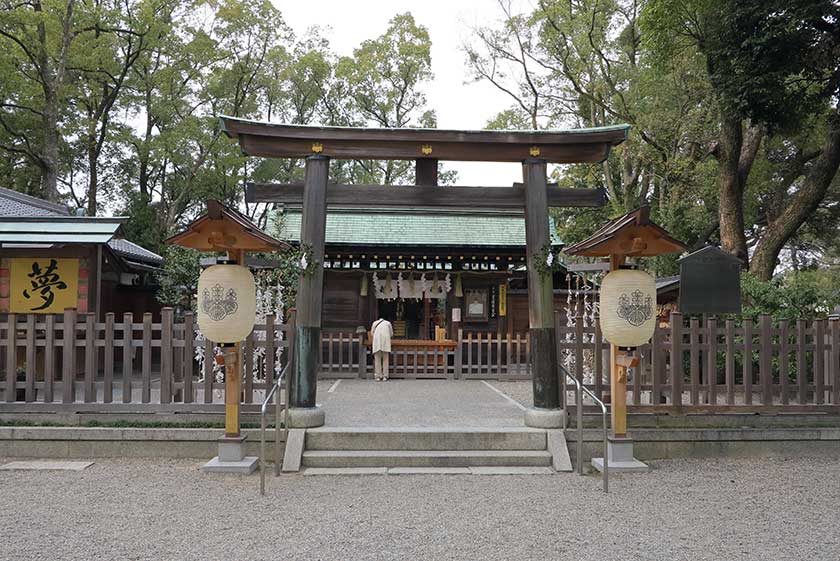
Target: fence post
784, 360
801, 371
658, 355
730, 362
676, 359
362, 356
127, 356
599, 360
764, 361
108, 359
459, 354
712, 359
189, 360
166, 329
747, 361
68, 363
579, 348
270, 353
819, 361
11, 357
834, 365
90, 357
29, 392
49, 357
146, 388
247, 358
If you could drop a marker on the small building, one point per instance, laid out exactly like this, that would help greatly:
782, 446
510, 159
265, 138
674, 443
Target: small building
431, 271
51, 260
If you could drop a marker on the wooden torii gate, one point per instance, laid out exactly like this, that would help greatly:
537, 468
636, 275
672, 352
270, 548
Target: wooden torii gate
534, 149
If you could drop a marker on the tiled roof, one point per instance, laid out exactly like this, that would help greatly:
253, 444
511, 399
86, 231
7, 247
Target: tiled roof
134, 252
393, 227
13, 203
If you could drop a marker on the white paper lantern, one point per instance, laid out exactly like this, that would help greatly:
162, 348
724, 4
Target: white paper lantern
227, 302
628, 307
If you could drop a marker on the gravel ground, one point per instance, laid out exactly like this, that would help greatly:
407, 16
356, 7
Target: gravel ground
768, 510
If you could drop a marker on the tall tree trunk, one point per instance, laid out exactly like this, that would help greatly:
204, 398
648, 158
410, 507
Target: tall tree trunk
801, 205
49, 150
93, 172
736, 154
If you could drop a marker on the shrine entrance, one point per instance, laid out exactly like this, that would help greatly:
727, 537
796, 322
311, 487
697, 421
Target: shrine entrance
533, 196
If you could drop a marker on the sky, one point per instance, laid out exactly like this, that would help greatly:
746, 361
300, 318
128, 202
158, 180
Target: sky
458, 102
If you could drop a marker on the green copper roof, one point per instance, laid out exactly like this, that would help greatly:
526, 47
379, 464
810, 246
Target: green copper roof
414, 227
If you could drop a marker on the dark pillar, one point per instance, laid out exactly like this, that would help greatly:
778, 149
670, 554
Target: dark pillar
540, 290
302, 384
426, 171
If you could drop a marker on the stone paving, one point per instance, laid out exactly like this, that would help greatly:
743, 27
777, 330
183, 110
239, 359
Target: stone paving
418, 403
698, 510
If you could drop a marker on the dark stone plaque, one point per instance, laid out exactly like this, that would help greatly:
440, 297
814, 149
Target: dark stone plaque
710, 282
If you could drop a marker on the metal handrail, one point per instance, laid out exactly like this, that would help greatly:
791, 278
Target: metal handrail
579, 396
263, 411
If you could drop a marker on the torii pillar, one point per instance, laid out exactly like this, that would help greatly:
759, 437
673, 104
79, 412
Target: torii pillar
303, 409
547, 411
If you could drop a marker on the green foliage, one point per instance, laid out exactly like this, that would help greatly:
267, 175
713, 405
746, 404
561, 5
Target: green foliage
179, 278
791, 296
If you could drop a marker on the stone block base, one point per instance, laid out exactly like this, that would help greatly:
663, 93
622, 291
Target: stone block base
306, 417
540, 418
244, 466
621, 460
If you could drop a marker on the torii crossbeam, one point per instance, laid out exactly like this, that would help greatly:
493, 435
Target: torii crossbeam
534, 149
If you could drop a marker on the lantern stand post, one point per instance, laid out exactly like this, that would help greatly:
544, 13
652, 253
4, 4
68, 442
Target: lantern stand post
631, 235
224, 229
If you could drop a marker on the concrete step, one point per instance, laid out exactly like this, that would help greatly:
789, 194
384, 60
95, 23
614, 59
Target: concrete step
361, 438
424, 458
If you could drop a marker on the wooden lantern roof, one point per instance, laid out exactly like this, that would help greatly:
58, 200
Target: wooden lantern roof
631, 235
225, 229
274, 140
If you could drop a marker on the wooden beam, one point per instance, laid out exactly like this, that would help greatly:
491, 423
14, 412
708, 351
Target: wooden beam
425, 196
274, 147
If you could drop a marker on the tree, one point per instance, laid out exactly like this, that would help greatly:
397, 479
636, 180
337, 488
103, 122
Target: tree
771, 65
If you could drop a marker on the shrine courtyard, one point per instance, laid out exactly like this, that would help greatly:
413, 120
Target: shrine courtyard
735, 509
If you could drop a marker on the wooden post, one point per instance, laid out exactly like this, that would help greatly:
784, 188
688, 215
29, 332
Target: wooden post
426, 171
676, 359
232, 376
618, 376
68, 361
303, 382
233, 372
127, 355
543, 355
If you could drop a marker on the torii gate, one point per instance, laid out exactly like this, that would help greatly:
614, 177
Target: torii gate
534, 149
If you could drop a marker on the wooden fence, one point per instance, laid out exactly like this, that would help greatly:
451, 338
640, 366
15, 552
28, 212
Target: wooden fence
693, 365
125, 361
473, 355
718, 364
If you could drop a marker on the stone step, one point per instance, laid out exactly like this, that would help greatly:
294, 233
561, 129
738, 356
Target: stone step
475, 470
361, 438
424, 458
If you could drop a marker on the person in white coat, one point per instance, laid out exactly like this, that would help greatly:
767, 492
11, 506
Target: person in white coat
381, 333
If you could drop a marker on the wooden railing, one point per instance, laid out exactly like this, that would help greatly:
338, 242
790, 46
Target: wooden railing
473, 355
73, 358
717, 365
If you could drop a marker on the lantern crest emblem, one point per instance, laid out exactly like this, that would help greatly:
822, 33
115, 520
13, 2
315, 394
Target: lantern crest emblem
636, 309
217, 304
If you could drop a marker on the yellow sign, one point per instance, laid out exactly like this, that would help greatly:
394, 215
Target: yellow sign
502, 299
43, 285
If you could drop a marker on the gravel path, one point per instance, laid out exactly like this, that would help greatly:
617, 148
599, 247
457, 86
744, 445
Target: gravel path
694, 510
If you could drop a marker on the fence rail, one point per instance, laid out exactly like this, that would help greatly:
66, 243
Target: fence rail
717, 364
